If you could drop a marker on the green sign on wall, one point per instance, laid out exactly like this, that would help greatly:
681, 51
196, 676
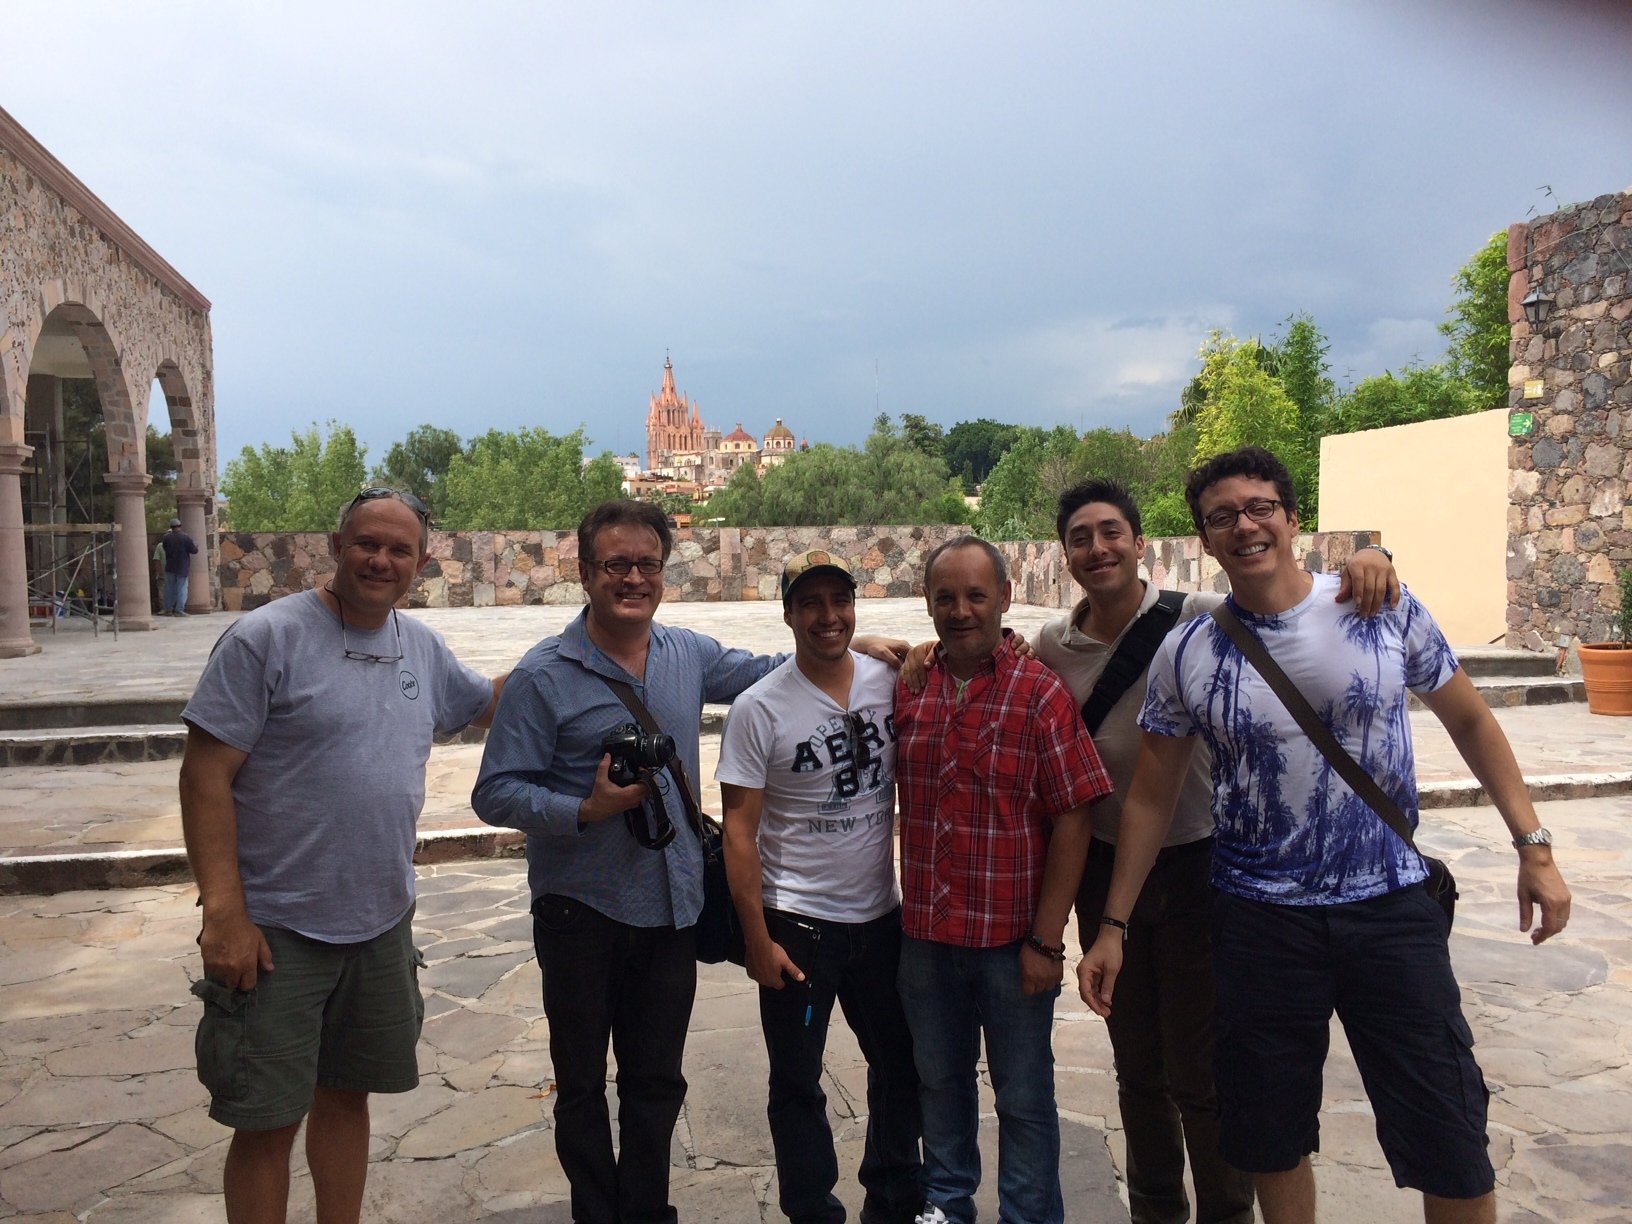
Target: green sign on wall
1521, 424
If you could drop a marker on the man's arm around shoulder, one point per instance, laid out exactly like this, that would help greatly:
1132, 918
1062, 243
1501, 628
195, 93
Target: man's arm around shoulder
235, 952
1478, 738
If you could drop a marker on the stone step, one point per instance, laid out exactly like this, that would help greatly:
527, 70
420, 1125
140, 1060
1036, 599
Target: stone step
92, 745
41, 714
1482, 661
54, 873
1500, 691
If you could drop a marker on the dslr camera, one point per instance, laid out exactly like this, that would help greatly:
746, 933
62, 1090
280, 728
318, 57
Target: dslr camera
636, 754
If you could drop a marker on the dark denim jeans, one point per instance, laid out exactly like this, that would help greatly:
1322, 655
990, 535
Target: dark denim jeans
1162, 1036
954, 996
634, 985
855, 963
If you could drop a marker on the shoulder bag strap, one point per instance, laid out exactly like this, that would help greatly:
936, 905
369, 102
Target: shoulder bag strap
1133, 654
1362, 783
676, 767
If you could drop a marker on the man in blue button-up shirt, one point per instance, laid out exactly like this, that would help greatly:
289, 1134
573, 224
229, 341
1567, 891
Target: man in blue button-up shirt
613, 920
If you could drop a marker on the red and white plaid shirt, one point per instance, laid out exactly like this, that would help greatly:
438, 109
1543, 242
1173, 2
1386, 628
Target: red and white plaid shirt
980, 780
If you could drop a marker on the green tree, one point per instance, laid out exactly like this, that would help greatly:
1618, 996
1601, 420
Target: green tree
419, 462
295, 488
923, 435
888, 480
528, 480
737, 505
1417, 393
1168, 457
1244, 404
1018, 498
1478, 329
974, 447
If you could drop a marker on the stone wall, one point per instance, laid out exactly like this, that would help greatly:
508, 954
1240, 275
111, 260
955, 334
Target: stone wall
1569, 524
506, 568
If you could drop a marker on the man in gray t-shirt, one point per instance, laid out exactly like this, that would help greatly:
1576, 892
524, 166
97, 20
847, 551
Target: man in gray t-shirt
302, 781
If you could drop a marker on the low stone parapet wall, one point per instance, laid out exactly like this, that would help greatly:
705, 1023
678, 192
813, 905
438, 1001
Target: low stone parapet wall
507, 568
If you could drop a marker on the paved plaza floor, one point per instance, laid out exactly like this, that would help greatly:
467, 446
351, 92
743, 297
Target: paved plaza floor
101, 1118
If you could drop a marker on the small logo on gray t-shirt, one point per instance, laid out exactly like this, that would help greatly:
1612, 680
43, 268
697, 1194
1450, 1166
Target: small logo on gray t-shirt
410, 685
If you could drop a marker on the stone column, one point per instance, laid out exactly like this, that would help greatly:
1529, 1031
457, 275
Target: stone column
15, 639
130, 543
200, 590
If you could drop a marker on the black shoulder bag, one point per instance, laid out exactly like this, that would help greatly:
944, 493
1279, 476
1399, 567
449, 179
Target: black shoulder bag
719, 933
1441, 885
1132, 656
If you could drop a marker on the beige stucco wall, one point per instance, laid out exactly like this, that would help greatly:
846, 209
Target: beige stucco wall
1437, 491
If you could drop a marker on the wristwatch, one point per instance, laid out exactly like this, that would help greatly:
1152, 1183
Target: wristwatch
1380, 549
1539, 837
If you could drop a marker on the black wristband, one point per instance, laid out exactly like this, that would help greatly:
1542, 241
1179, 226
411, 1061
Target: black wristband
1056, 955
1117, 923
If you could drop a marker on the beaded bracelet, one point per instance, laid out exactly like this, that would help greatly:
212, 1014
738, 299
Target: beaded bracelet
1118, 924
1054, 954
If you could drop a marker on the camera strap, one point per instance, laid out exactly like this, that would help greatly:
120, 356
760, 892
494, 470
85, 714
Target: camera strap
676, 766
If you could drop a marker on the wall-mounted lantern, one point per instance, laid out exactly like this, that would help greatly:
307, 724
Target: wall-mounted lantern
1538, 307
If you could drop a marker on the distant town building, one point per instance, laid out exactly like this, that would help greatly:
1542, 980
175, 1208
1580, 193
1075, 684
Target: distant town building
681, 451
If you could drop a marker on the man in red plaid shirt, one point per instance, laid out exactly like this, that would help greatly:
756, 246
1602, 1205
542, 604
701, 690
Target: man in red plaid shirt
995, 774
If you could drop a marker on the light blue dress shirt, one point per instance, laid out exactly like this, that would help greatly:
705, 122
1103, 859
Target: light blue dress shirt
544, 748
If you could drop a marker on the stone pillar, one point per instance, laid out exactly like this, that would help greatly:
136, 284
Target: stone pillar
15, 639
200, 590
130, 544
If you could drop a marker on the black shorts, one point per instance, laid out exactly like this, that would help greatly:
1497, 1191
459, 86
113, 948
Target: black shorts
1384, 967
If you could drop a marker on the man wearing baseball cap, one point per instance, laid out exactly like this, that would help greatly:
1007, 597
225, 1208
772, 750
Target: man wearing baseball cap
807, 771
178, 549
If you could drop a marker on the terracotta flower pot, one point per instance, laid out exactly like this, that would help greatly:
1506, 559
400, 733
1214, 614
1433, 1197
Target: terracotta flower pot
1606, 668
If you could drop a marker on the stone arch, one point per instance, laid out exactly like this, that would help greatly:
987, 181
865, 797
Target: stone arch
121, 415
72, 262
186, 430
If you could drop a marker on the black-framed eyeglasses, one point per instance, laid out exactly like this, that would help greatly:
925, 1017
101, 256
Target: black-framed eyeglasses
619, 567
363, 656
856, 732
376, 492
1259, 510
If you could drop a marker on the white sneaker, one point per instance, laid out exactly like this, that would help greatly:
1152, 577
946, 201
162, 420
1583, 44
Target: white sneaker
931, 1214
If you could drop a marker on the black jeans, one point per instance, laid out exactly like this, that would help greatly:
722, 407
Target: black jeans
856, 964
1162, 1037
604, 979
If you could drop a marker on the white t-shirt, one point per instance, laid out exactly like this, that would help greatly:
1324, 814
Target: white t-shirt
827, 828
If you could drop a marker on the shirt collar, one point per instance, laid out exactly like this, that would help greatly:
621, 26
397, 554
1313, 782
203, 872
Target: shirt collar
575, 643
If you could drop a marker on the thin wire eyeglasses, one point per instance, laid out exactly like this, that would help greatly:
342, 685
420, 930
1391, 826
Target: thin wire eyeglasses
363, 656
619, 567
1259, 510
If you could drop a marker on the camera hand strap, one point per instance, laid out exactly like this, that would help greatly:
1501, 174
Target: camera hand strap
676, 766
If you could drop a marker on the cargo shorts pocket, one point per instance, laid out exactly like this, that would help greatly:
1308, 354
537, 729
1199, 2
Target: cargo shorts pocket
219, 1043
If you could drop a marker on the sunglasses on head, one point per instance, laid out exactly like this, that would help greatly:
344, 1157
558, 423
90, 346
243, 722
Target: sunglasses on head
375, 492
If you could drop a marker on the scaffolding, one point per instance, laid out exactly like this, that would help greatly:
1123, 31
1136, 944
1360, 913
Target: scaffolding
81, 580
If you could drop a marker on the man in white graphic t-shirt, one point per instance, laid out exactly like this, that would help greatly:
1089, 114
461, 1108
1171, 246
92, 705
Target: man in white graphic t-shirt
807, 770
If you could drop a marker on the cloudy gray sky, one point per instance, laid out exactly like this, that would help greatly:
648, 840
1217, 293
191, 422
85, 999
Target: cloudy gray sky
502, 214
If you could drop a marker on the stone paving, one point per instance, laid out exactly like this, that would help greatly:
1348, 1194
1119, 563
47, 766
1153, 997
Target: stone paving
101, 1118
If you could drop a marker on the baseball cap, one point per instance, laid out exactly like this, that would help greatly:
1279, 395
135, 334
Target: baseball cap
801, 566
175, 522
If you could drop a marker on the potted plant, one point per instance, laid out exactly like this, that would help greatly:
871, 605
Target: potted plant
1606, 667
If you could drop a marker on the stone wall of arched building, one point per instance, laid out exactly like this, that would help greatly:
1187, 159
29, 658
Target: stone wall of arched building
1569, 517
70, 268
